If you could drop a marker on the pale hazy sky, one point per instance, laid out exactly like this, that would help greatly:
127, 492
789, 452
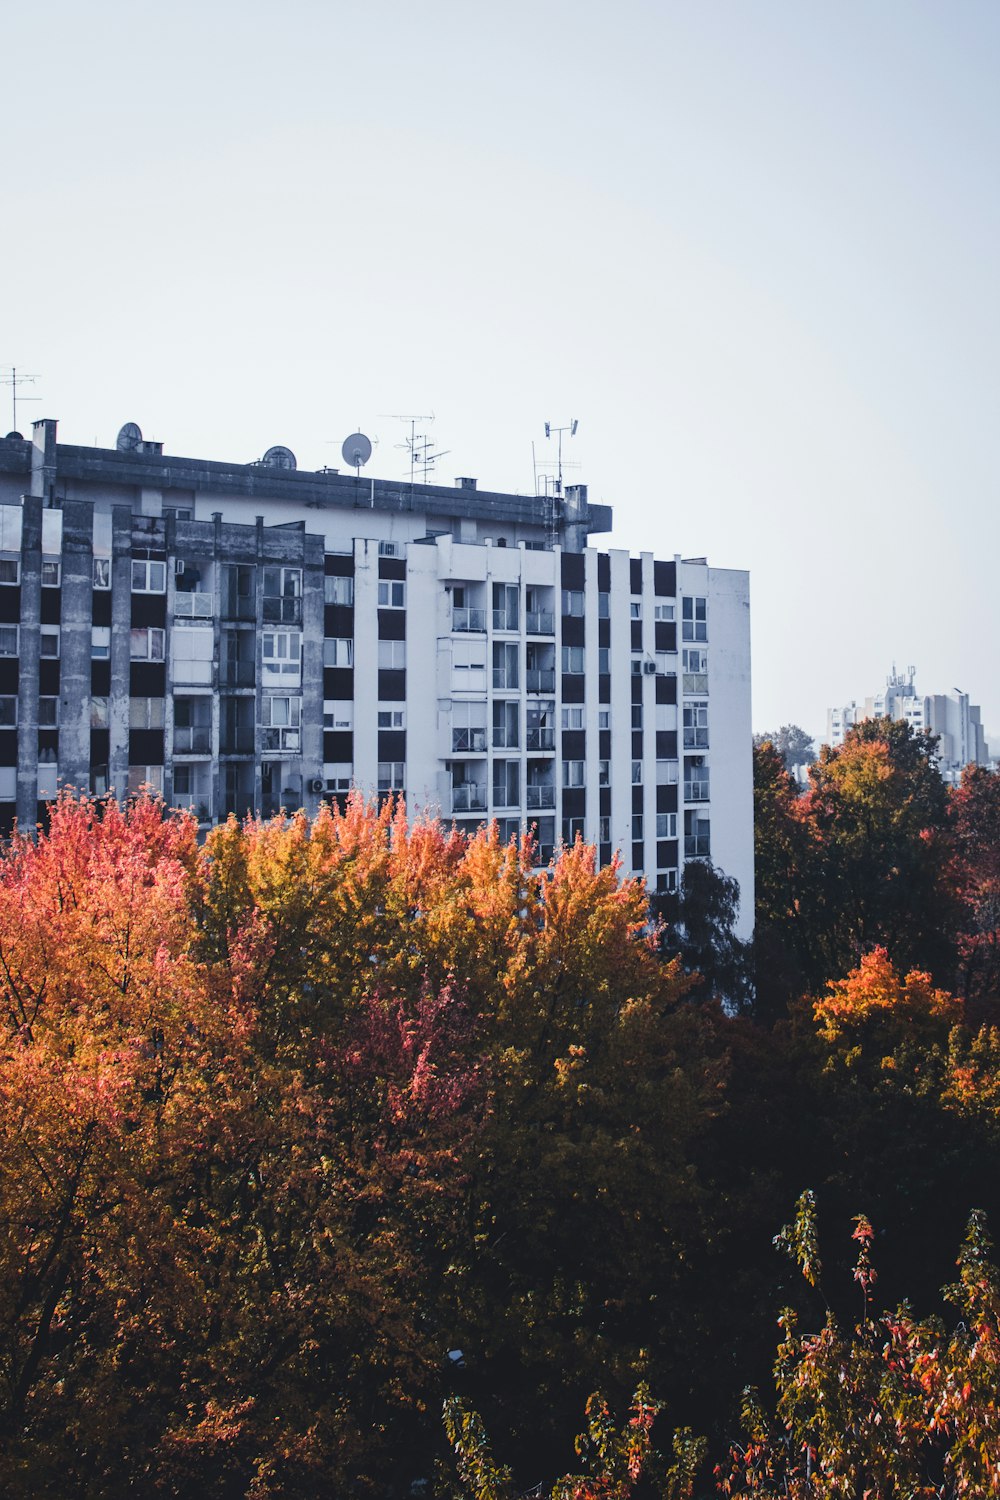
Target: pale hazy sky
751, 245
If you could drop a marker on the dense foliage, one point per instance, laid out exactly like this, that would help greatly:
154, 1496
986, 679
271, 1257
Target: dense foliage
317, 1129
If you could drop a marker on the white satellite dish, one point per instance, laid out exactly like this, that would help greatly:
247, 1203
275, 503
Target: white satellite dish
279, 457
356, 450
129, 437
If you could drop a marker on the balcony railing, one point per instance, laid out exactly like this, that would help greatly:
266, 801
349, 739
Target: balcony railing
539, 796
695, 682
696, 791
540, 622
505, 678
282, 611
190, 740
282, 738
234, 674
541, 739
193, 606
468, 796
696, 739
697, 846
540, 679
504, 796
468, 619
505, 737
505, 619
469, 739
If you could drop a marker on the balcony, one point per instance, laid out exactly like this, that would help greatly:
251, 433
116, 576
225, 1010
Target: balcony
505, 678
505, 737
469, 739
468, 796
695, 739
238, 606
697, 846
282, 611
237, 674
540, 622
539, 796
238, 740
193, 606
463, 619
541, 739
695, 682
190, 740
696, 790
504, 796
284, 738
540, 680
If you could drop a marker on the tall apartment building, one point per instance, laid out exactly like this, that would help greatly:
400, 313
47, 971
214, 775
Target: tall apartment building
247, 637
955, 720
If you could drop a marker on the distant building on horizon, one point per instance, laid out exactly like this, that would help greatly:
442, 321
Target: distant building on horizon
955, 720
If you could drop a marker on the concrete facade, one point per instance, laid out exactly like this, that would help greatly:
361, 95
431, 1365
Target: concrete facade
246, 638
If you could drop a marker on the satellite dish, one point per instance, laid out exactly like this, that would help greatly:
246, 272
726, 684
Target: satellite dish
129, 437
357, 450
14, 437
279, 458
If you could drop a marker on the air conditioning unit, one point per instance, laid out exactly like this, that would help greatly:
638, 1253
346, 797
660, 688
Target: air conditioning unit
317, 784
649, 668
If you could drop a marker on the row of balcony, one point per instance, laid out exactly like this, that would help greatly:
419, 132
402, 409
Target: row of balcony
504, 737
472, 796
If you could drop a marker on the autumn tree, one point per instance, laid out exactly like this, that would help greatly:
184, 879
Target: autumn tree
793, 744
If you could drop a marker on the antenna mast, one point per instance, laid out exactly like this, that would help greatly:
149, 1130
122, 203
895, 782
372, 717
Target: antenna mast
419, 445
14, 380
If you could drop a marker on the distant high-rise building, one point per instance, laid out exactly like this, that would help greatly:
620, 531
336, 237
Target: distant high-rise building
956, 722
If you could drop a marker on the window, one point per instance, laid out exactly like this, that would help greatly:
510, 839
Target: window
604, 718
696, 783
337, 776
574, 773
603, 606
48, 640
145, 644
392, 718
51, 573
281, 654
603, 773
48, 713
694, 618
338, 652
663, 611
666, 773
572, 829
637, 773
145, 713
604, 658
391, 775
572, 717
8, 640
663, 660
179, 512
637, 665
391, 593
148, 577
573, 659
666, 825
100, 642
8, 713
635, 609
697, 835
338, 713
604, 831
102, 572
505, 661
637, 827
10, 569
572, 602
283, 596
144, 777
696, 726
390, 549
193, 725
338, 590
48, 772
506, 606
636, 715
666, 880
281, 719
695, 659
666, 716
98, 781
391, 656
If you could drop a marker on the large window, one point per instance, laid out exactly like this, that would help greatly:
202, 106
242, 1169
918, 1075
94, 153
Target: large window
337, 777
51, 573
666, 825
8, 713
48, 713
338, 590
283, 596
391, 775
281, 720
8, 640
694, 619
573, 658
574, 773
10, 568
572, 602
102, 572
148, 577
696, 725
142, 778
281, 656
392, 718
48, 640
338, 651
145, 644
391, 593
391, 656
145, 713
697, 835
338, 713
193, 725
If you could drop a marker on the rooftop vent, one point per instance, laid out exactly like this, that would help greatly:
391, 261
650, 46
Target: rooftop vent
463, 482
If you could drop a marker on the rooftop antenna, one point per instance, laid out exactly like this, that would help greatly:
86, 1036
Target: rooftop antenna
570, 427
419, 445
14, 380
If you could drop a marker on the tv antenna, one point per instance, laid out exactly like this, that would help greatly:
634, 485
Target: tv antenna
570, 427
419, 445
14, 380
